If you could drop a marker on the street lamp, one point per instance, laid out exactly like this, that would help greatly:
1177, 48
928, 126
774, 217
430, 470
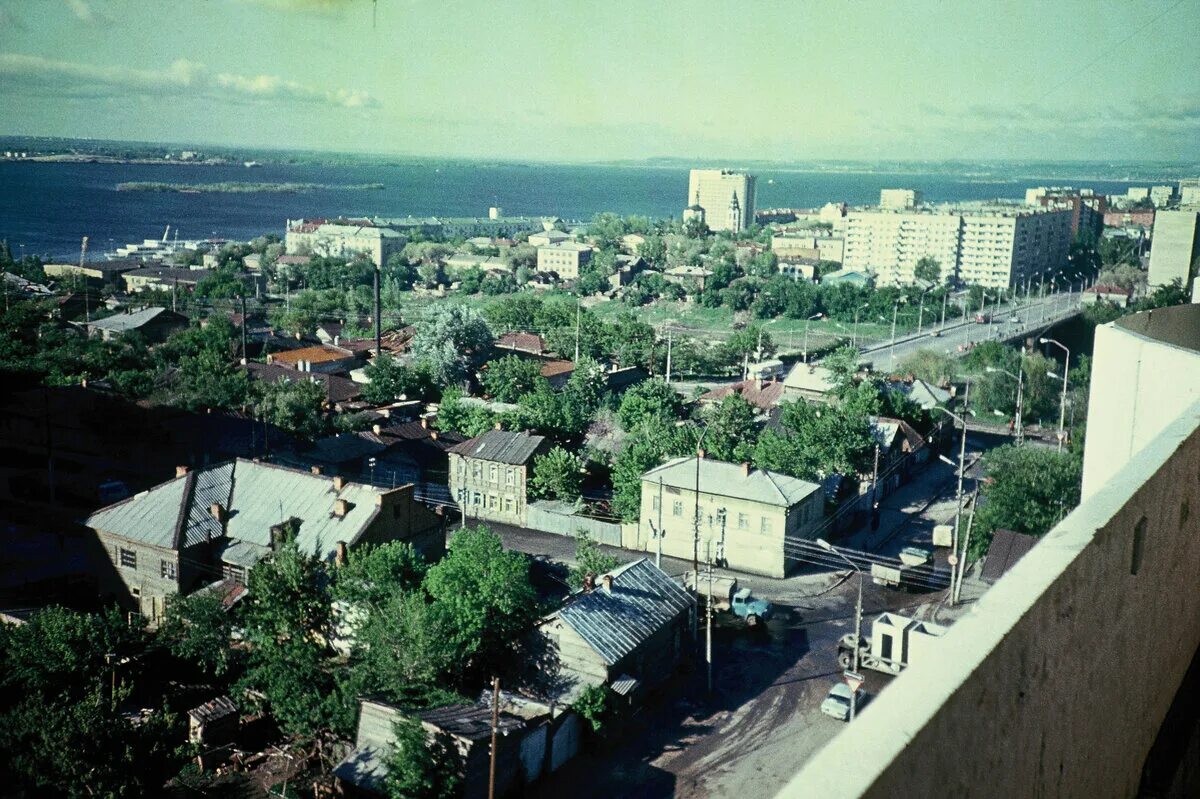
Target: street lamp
1020, 378
1062, 408
806, 321
895, 311
962, 459
854, 336
828, 547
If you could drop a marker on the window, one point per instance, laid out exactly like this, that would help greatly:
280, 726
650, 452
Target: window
127, 558
508, 504
743, 521
167, 570
491, 502
476, 499
510, 477
493, 473
765, 526
654, 503
676, 508
477, 471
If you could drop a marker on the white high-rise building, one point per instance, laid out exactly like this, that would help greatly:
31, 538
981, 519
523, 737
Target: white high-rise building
992, 248
1161, 196
1189, 191
900, 199
722, 198
1174, 248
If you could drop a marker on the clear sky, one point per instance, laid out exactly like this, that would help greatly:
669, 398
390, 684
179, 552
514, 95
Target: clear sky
1107, 80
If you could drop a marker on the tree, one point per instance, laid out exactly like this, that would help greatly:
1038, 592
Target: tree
731, 430
928, 270
376, 572
198, 628
451, 340
649, 402
558, 474
595, 704
590, 560
508, 378
403, 651
459, 417
418, 768
814, 441
1028, 489
294, 406
930, 365
488, 600
391, 380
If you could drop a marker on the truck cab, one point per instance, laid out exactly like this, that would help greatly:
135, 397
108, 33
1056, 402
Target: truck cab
751, 609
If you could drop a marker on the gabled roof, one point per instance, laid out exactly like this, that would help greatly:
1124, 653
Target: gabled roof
469, 722
643, 600
121, 322
501, 446
214, 709
733, 480
924, 394
322, 353
337, 389
255, 497
522, 342
1006, 549
810, 377
763, 395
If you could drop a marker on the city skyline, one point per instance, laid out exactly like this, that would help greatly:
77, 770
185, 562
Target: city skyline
619, 82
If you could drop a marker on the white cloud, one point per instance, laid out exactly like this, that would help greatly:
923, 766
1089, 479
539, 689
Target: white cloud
73, 79
84, 12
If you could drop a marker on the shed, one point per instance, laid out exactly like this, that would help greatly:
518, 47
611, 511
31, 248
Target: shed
214, 723
1007, 547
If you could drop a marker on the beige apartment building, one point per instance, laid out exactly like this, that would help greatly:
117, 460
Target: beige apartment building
900, 199
890, 243
750, 517
725, 198
565, 259
1174, 248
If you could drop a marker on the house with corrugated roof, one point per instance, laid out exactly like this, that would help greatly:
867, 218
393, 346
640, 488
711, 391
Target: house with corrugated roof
749, 519
490, 474
153, 324
219, 521
629, 631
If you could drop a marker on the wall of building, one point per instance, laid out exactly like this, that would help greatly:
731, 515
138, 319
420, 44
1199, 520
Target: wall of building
487, 498
1057, 682
143, 588
1173, 248
716, 188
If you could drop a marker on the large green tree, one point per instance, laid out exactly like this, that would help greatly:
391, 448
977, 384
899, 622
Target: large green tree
293, 405
510, 377
1028, 489
420, 768
452, 339
649, 402
558, 474
732, 431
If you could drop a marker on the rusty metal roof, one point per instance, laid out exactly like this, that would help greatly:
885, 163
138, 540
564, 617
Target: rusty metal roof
501, 446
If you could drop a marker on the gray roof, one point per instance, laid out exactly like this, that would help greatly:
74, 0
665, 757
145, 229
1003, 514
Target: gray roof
470, 722
809, 377
732, 480
365, 766
213, 709
122, 322
256, 497
501, 446
642, 601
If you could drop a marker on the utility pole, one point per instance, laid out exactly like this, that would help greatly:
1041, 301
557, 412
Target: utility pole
659, 531
956, 588
87, 310
709, 619
668, 356
577, 332
495, 728
945, 299
244, 357
174, 291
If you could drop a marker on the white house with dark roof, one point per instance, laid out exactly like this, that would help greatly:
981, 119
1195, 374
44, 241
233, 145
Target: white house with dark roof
628, 631
750, 518
489, 474
220, 520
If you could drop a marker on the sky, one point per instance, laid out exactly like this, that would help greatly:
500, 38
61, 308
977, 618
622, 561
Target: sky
794, 80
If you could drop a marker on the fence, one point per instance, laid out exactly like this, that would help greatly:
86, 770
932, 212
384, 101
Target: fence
562, 519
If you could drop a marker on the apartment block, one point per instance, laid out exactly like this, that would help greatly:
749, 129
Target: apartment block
722, 198
900, 199
891, 243
564, 259
1174, 248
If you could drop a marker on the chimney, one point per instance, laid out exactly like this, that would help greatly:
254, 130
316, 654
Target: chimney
339, 483
217, 511
700, 454
497, 426
340, 508
376, 429
340, 558
433, 434
745, 469
589, 581
425, 422
316, 470
180, 471
607, 579
758, 383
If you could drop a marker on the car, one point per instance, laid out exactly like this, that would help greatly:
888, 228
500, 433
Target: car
914, 556
1016, 320
837, 702
936, 334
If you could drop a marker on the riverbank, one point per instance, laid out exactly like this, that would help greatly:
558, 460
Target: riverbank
238, 187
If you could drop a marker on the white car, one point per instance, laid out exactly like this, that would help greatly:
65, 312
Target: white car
837, 703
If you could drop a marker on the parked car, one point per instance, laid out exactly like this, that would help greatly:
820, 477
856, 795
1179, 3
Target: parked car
914, 556
837, 703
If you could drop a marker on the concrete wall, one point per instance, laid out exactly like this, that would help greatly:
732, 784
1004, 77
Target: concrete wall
1173, 248
551, 517
1058, 681
1149, 374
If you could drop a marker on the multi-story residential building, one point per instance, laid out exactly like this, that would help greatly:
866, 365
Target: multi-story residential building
564, 259
821, 248
163, 278
346, 238
994, 248
900, 199
1174, 248
891, 243
219, 521
490, 474
750, 518
1162, 196
721, 198
547, 238
1087, 208
1189, 192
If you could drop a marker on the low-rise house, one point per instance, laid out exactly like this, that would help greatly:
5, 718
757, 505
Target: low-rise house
387, 454
809, 381
628, 268
692, 278
847, 276
564, 259
533, 739
488, 263
222, 519
321, 358
628, 631
762, 394
490, 474
621, 379
901, 450
163, 278
339, 391
154, 324
1006, 549
1106, 293
523, 344
925, 394
752, 519
558, 372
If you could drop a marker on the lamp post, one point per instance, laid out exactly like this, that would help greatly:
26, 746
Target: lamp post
806, 321
1062, 406
962, 459
696, 531
895, 312
854, 336
828, 547
1020, 378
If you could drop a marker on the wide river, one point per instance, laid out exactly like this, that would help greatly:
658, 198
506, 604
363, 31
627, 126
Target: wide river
45, 208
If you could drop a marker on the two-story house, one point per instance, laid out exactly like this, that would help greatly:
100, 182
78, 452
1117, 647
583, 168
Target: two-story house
221, 520
490, 474
749, 518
